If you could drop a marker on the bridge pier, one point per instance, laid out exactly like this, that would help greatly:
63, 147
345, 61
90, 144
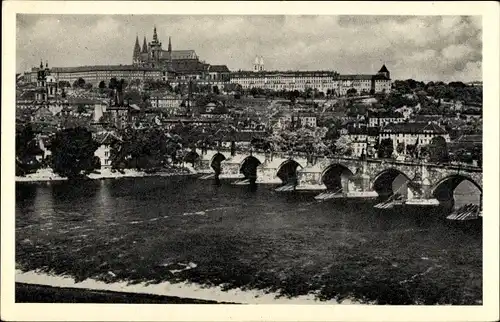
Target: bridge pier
422, 183
357, 177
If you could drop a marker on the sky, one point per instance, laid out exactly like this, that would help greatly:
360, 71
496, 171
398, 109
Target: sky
426, 48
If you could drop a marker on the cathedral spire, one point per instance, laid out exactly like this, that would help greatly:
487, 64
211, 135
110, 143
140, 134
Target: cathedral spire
169, 44
145, 46
41, 63
137, 49
136, 41
155, 36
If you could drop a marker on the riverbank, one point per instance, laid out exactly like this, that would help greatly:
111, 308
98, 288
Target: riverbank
64, 289
47, 175
33, 293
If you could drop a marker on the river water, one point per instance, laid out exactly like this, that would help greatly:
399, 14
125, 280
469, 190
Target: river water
180, 229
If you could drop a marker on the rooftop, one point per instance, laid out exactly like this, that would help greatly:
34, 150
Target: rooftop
370, 131
471, 138
284, 73
413, 128
101, 68
385, 115
218, 69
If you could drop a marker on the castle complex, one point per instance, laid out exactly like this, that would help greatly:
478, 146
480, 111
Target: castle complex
151, 61
152, 54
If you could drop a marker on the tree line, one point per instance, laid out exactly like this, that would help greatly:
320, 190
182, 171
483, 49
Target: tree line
152, 149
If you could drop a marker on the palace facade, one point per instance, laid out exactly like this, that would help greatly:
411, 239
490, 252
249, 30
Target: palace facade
321, 80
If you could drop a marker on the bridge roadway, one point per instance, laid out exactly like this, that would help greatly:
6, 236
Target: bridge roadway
424, 180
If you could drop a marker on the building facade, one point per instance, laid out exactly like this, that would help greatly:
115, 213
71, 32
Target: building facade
320, 80
382, 119
95, 74
165, 101
412, 133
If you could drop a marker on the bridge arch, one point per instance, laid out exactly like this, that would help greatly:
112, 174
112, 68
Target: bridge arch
287, 170
444, 190
249, 167
390, 181
336, 177
216, 161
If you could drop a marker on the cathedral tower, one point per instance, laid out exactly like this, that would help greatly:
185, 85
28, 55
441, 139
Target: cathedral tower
155, 47
136, 58
169, 45
145, 46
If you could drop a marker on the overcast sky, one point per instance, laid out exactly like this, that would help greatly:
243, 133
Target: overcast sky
424, 48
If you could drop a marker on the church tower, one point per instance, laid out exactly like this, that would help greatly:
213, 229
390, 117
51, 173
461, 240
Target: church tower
41, 83
256, 65
169, 45
136, 58
261, 64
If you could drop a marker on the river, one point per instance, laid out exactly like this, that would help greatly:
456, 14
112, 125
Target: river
181, 229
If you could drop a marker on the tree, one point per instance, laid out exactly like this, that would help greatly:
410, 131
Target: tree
79, 83
123, 84
148, 149
351, 92
80, 108
343, 146
113, 83
87, 86
26, 150
400, 148
73, 152
102, 85
438, 150
308, 93
63, 84
385, 148
216, 90
136, 82
411, 150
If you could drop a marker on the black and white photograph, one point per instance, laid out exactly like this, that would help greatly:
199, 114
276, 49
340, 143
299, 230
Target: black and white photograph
263, 158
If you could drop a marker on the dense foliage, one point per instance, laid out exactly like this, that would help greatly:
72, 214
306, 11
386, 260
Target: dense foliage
73, 152
438, 150
148, 149
26, 150
385, 148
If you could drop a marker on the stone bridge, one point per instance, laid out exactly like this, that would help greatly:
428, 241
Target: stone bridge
423, 180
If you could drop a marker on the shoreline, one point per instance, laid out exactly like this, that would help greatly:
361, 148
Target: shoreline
48, 176
36, 293
184, 290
